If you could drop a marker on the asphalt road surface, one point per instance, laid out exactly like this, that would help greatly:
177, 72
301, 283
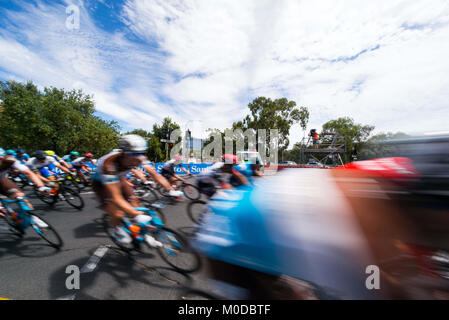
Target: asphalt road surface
30, 269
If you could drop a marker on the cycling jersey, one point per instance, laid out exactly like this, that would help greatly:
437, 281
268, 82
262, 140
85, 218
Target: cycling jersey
9, 162
35, 164
245, 169
79, 162
109, 169
168, 169
23, 158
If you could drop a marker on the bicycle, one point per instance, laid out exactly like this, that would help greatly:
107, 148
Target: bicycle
61, 192
145, 191
174, 245
190, 191
24, 218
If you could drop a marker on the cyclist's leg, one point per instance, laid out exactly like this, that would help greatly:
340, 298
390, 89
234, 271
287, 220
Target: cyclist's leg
12, 191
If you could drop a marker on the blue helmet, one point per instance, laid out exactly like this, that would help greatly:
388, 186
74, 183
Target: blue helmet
11, 152
2, 152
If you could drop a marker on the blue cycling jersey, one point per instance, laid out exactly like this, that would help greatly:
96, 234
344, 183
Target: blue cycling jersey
23, 158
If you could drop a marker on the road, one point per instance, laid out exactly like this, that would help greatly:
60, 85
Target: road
30, 269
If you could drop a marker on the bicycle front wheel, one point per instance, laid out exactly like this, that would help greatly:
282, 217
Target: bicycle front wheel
190, 191
73, 198
176, 251
196, 209
45, 231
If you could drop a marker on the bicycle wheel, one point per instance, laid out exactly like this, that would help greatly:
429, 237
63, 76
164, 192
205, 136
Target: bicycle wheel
190, 191
45, 230
110, 232
47, 198
159, 213
176, 251
72, 197
196, 209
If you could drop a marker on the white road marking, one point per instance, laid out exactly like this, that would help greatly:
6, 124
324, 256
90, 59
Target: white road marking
92, 263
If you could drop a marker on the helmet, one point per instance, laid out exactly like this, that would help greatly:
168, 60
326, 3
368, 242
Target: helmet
230, 159
40, 155
74, 153
2, 152
133, 143
11, 152
20, 151
89, 155
50, 153
178, 159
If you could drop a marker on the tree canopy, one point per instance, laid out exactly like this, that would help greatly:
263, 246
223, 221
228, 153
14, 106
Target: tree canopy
354, 133
54, 119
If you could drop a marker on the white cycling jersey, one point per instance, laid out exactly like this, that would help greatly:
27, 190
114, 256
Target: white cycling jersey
35, 164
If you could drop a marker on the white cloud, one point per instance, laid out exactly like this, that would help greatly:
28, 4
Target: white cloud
382, 63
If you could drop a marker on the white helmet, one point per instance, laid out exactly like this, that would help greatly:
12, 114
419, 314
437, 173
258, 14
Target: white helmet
133, 143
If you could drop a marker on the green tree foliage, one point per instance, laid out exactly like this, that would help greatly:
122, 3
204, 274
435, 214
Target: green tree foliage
355, 134
54, 119
373, 147
280, 114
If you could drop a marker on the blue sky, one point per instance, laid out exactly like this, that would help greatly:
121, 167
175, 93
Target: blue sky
200, 62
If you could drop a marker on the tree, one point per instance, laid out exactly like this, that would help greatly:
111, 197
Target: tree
354, 133
163, 131
52, 119
373, 148
278, 114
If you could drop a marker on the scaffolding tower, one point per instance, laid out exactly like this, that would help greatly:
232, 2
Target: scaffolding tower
331, 146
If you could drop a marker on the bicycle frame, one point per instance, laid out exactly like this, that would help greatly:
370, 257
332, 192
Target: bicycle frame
25, 220
138, 232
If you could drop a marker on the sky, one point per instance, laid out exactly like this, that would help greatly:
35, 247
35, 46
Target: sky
383, 63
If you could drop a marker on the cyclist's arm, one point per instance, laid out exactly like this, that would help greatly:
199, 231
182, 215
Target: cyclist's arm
139, 174
157, 177
117, 198
65, 164
57, 165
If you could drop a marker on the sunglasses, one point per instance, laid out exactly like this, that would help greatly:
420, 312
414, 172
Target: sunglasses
135, 154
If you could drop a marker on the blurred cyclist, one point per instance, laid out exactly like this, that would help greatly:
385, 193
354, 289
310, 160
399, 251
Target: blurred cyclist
9, 188
168, 170
40, 164
22, 156
215, 177
114, 193
58, 159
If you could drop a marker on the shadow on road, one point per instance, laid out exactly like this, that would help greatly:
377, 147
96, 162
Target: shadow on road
29, 246
116, 276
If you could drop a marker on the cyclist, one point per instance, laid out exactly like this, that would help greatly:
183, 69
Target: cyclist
9, 188
168, 170
249, 169
22, 156
214, 177
71, 157
40, 164
81, 167
51, 153
112, 189
147, 169
259, 241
